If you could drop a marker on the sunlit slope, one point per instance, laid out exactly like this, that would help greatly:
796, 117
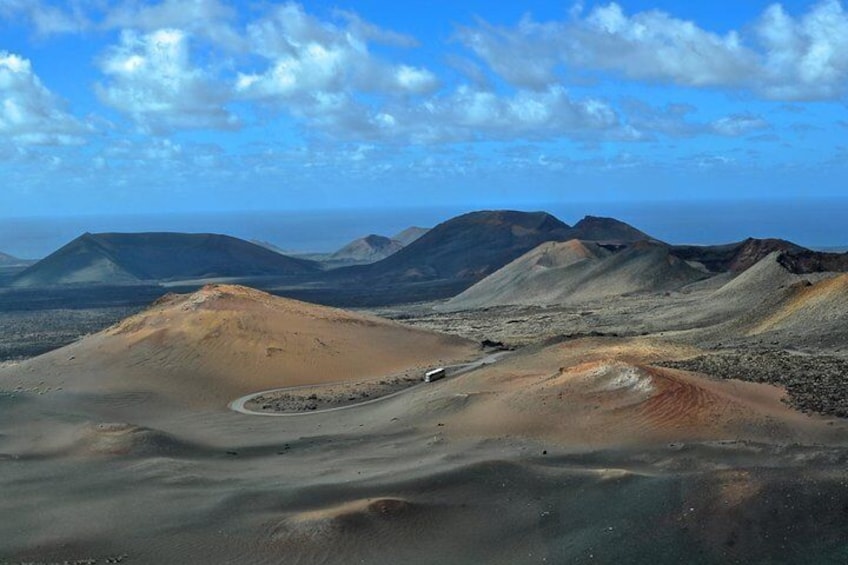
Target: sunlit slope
575, 272
224, 341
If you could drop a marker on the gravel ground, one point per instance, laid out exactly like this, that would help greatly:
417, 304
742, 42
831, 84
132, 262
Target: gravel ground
815, 383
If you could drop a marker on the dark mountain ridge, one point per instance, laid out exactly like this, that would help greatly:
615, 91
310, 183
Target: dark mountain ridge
595, 228
130, 258
469, 247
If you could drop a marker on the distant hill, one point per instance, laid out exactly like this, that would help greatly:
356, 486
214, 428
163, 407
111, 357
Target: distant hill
593, 228
467, 247
575, 272
129, 258
367, 249
735, 257
272, 247
409, 235
8, 260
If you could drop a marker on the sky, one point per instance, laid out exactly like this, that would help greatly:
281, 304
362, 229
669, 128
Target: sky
135, 106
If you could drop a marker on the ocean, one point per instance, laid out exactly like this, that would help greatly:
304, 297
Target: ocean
818, 224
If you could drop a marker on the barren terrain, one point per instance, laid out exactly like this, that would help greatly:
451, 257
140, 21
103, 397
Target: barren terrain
636, 428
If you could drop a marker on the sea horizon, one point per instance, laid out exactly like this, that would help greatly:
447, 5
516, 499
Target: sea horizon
814, 223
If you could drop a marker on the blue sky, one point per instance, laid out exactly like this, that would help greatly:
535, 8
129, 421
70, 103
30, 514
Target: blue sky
170, 106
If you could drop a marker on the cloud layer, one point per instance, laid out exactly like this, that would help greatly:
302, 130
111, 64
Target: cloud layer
176, 65
29, 112
197, 93
779, 58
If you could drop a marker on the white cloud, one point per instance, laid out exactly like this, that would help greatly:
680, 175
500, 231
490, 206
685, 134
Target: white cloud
781, 57
210, 19
739, 124
805, 58
49, 19
29, 112
309, 59
152, 79
470, 113
647, 46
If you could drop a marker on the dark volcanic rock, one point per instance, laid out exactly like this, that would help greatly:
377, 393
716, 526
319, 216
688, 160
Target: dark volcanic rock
735, 257
817, 383
805, 262
753, 250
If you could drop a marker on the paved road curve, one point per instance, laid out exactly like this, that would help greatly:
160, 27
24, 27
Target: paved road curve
238, 405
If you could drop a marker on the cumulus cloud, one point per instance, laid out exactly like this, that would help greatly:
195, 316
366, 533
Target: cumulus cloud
29, 112
47, 19
210, 19
311, 61
649, 45
152, 78
805, 58
780, 57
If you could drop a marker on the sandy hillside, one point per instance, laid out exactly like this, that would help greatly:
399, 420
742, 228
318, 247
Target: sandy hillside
578, 272
519, 280
815, 309
225, 341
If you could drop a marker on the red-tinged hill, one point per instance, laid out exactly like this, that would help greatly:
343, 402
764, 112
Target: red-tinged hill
735, 257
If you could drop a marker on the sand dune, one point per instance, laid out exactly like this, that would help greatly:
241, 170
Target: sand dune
221, 342
575, 272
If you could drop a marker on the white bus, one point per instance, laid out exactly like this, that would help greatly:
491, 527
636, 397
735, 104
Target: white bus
434, 375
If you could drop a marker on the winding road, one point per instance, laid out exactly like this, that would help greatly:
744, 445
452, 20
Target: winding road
238, 405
